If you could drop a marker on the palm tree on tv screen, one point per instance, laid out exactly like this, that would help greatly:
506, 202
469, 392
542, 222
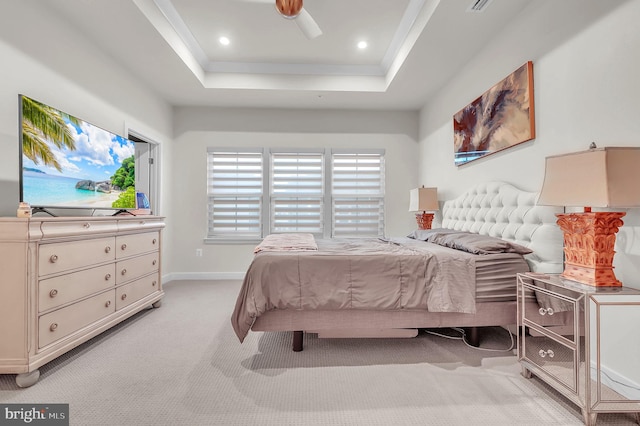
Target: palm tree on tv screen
41, 123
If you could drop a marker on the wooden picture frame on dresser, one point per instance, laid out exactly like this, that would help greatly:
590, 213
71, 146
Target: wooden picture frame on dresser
65, 280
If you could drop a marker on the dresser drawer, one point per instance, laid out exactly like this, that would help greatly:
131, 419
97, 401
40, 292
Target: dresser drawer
77, 227
62, 289
59, 257
132, 245
149, 223
136, 290
130, 269
63, 322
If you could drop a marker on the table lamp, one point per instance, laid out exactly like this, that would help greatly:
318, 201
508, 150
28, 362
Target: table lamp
599, 177
423, 200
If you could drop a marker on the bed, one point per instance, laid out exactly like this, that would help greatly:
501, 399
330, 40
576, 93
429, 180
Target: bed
392, 287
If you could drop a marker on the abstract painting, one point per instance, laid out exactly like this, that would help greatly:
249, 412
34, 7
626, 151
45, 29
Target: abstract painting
500, 118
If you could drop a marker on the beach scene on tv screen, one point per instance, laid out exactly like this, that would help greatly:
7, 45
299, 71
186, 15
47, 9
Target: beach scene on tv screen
67, 162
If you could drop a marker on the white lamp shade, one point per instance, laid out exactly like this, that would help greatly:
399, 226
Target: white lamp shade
423, 199
599, 177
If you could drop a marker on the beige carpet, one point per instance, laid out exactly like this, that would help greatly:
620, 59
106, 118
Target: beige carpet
181, 364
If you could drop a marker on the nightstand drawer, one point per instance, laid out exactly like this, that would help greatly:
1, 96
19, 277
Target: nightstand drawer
554, 312
553, 358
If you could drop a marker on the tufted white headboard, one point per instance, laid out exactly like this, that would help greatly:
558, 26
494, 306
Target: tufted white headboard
501, 210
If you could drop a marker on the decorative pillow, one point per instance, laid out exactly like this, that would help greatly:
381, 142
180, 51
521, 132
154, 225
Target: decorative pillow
428, 234
477, 244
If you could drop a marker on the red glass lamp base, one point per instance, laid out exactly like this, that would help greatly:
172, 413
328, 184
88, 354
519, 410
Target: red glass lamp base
589, 240
424, 220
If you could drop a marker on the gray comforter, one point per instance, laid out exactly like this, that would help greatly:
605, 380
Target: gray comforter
369, 274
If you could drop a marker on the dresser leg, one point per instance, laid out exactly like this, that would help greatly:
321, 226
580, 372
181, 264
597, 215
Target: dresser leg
636, 416
25, 380
589, 418
157, 304
526, 373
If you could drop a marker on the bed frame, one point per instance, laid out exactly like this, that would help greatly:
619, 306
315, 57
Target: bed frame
494, 208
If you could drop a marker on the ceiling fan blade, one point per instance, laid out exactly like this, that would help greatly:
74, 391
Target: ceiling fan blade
307, 25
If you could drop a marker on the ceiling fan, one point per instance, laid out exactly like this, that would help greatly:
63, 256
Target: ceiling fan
292, 9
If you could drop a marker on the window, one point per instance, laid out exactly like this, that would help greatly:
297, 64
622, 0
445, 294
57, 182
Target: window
357, 187
297, 192
255, 192
235, 186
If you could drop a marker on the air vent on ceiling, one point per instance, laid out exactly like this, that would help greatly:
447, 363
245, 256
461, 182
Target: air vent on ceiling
478, 5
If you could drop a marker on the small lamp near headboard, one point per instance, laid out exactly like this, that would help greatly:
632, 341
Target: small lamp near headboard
423, 200
599, 177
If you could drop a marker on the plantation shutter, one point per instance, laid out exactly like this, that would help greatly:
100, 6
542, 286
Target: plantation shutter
296, 193
234, 188
357, 185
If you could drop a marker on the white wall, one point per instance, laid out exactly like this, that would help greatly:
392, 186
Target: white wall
199, 128
585, 61
56, 65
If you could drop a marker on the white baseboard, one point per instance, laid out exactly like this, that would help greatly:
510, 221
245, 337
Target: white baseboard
177, 276
621, 384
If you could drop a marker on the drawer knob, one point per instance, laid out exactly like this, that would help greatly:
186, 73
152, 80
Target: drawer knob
153, 284
53, 326
154, 262
544, 311
53, 293
544, 353
107, 277
154, 241
124, 271
53, 258
123, 247
87, 225
124, 296
107, 249
107, 303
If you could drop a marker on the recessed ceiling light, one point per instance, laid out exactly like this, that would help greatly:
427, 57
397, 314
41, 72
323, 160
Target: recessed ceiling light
224, 41
362, 44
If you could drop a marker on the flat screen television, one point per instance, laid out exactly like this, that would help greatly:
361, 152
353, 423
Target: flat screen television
66, 162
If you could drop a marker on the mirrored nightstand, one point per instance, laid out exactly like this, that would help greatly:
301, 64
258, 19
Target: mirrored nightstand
593, 359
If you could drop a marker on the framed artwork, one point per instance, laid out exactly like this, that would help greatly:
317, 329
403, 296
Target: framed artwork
500, 118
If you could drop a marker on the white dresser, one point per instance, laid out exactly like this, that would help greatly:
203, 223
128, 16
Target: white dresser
63, 280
